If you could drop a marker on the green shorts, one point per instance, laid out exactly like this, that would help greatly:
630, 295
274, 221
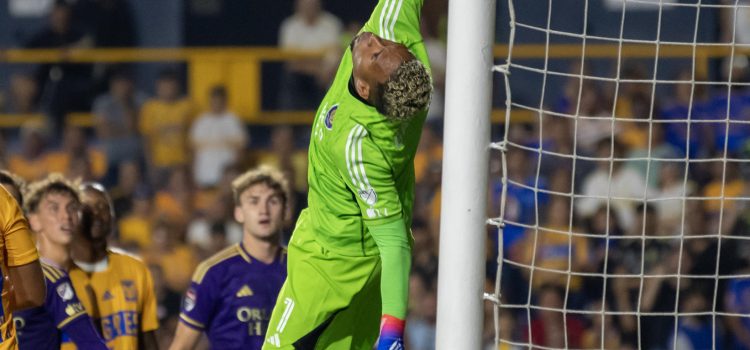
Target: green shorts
328, 301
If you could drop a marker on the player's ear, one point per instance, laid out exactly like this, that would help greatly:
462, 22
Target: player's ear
363, 89
238, 214
34, 222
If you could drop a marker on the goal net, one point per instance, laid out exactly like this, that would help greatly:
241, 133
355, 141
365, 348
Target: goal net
619, 176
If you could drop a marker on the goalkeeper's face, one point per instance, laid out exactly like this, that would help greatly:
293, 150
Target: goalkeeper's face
374, 59
260, 211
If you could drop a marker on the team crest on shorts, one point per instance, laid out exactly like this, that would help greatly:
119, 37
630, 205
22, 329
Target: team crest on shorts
329, 117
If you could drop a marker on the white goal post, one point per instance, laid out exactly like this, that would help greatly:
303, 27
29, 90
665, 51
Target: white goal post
465, 163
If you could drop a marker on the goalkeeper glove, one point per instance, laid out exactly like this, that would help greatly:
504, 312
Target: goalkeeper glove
391, 333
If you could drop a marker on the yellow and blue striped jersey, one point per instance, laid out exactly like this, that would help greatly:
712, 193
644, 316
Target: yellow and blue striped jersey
120, 299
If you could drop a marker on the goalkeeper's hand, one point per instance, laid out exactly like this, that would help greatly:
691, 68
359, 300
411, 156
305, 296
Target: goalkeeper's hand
391, 333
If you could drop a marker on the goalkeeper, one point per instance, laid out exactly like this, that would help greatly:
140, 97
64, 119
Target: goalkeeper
350, 254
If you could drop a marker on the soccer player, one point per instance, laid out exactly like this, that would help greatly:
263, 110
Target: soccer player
52, 208
22, 281
115, 288
233, 292
351, 248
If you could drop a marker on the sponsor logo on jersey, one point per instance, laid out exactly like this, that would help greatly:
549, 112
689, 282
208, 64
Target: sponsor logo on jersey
245, 291
369, 196
329, 117
189, 302
65, 291
73, 308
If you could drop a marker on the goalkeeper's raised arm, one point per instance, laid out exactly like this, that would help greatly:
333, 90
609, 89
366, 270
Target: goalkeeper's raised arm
350, 253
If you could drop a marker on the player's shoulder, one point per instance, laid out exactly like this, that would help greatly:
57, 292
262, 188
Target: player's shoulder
217, 262
122, 258
52, 274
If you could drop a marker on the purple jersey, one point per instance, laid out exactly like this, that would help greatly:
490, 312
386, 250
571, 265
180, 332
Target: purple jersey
231, 298
42, 327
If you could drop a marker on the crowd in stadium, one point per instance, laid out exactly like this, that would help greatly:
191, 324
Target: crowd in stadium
168, 168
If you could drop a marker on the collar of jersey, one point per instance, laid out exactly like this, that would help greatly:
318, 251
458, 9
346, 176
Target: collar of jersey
98, 266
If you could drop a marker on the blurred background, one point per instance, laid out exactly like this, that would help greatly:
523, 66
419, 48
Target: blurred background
166, 101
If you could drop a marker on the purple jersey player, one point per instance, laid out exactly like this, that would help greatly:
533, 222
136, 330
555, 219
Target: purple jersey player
62, 317
233, 292
52, 206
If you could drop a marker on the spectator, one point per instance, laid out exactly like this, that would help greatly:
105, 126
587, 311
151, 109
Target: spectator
200, 231
735, 301
31, 162
164, 125
551, 247
75, 152
116, 122
130, 181
309, 28
174, 203
626, 185
66, 86
23, 95
672, 185
695, 331
549, 325
135, 228
174, 257
283, 155
217, 138
689, 101
726, 182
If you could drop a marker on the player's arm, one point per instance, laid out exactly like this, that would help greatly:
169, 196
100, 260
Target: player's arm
195, 310
149, 322
185, 338
68, 312
372, 181
21, 257
396, 20
27, 284
147, 341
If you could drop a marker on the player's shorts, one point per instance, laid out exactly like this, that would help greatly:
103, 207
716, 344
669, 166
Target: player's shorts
328, 301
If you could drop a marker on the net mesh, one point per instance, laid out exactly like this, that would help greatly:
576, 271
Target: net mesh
621, 201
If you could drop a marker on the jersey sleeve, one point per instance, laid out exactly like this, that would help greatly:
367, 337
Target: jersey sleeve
149, 320
396, 20
61, 302
369, 176
198, 302
19, 247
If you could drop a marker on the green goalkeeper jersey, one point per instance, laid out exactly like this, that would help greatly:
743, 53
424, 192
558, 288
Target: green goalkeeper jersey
361, 169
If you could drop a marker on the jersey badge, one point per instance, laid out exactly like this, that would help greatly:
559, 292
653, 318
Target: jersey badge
107, 295
189, 302
369, 196
65, 291
329, 117
131, 293
245, 291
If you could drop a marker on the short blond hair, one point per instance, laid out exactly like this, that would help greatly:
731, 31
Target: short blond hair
53, 183
263, 174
